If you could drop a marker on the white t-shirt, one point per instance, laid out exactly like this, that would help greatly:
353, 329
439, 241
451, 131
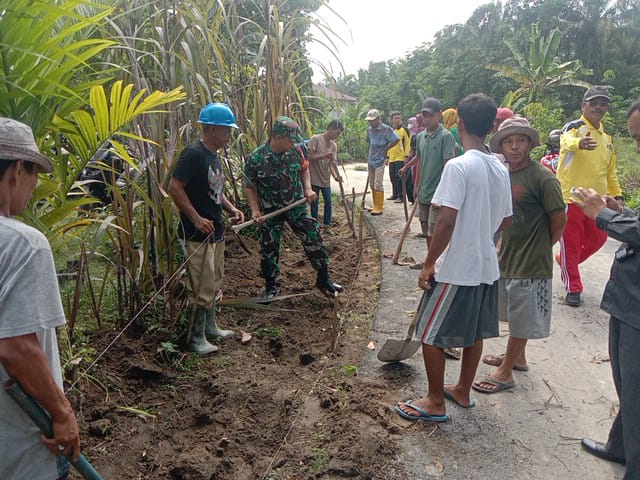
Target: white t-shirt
29, 303
477, 185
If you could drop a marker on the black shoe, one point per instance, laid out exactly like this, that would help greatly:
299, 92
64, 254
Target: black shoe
600, 450
270, 291
573, 299
326, 284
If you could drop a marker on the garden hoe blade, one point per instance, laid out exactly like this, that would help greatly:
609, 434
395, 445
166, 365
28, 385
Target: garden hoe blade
396, 350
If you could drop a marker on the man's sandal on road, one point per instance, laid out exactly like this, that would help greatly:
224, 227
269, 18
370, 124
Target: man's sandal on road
495, 385
496, 361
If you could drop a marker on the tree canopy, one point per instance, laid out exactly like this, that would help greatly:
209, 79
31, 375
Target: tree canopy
537, 49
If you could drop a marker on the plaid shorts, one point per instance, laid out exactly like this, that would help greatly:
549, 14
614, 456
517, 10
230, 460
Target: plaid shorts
456, 316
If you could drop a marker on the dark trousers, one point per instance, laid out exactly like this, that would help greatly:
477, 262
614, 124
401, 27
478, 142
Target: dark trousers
396, 180
408, 181
624, 437
306, 229
328, 209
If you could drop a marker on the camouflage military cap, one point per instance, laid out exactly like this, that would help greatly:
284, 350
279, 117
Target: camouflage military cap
287, 127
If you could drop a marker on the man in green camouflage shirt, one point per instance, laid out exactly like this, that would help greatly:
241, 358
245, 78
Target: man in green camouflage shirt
276, 175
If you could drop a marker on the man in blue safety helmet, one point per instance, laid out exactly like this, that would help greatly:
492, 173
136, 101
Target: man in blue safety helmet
197, 188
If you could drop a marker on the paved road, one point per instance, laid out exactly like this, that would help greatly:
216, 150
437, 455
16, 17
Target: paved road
529, 432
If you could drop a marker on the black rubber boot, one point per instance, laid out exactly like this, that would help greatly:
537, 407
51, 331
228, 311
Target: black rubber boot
326, 284
270, 290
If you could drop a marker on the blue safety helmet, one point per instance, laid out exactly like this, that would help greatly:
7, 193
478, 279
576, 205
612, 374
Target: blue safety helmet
217, 114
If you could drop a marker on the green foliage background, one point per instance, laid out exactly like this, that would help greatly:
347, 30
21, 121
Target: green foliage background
83, 72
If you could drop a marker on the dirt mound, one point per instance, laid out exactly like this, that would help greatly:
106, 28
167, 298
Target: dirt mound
280, 406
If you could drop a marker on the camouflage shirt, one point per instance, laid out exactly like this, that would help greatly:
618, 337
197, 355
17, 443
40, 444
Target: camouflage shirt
276, 176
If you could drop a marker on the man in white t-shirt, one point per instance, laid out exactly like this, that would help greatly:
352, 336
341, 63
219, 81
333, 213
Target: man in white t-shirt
460, 274
30, 310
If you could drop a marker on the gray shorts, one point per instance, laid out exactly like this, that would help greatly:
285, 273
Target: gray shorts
526, 304
434, 214
423, 212
457, 316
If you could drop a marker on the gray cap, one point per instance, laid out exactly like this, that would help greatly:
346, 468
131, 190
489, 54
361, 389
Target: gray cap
597, 91
431, 105
372, 114
17, 143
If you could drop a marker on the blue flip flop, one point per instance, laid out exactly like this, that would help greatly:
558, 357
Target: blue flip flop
423, 416
449, 396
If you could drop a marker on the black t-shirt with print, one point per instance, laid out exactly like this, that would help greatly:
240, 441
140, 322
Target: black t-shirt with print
201, 171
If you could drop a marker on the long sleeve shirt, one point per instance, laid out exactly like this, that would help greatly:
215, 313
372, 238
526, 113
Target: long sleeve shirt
621, 297
587, 168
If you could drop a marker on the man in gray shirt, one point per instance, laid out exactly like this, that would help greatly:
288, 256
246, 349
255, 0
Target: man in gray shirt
30, 310
621, 300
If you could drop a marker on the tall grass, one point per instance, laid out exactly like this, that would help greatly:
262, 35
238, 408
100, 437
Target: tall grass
628, 170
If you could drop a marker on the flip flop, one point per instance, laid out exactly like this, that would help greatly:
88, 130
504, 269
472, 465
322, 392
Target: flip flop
500, 386
423, 416
496, 361
449, 396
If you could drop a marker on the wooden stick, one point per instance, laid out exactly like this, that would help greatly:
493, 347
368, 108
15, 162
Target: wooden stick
346, 207
404, 199
364, 194
403, 234
237, 228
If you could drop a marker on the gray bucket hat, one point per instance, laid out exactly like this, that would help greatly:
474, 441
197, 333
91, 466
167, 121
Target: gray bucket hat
514, 126
17, 143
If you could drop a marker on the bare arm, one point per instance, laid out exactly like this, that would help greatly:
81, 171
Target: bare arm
254, 206
390, 145
557, 222
305, 178
333, 168
441, 238
237, 215
506, 223
182, 201
23, 359
409, 164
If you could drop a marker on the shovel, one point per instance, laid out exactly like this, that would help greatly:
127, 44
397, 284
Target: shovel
396, 350
240, 226
403, 234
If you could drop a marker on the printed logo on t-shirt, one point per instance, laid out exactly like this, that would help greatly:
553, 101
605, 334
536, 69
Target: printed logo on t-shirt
216, 185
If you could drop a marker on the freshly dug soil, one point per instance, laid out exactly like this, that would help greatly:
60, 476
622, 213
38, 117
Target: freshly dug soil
281, 406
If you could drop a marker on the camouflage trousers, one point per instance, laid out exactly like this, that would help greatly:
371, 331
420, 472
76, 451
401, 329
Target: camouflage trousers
307, 230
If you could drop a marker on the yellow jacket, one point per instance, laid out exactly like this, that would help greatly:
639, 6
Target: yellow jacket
587, 168
400, 151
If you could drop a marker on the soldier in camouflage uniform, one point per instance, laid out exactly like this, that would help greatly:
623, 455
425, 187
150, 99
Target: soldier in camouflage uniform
276, 175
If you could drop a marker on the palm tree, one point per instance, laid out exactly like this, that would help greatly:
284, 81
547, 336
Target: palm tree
542, 72
49, 58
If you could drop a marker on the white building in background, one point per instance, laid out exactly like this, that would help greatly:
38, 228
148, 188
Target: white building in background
339, 101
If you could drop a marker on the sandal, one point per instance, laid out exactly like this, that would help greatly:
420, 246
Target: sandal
499, 386
496, 361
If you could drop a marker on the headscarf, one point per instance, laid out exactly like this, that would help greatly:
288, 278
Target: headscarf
417, 126
450, 118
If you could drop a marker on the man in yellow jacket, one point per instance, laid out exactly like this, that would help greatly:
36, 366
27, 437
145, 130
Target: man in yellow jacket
587, 160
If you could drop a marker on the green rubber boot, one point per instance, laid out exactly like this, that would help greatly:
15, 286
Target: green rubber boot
198, 341
213, 330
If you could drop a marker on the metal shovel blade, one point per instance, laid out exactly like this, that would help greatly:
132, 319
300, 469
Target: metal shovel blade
396, 350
